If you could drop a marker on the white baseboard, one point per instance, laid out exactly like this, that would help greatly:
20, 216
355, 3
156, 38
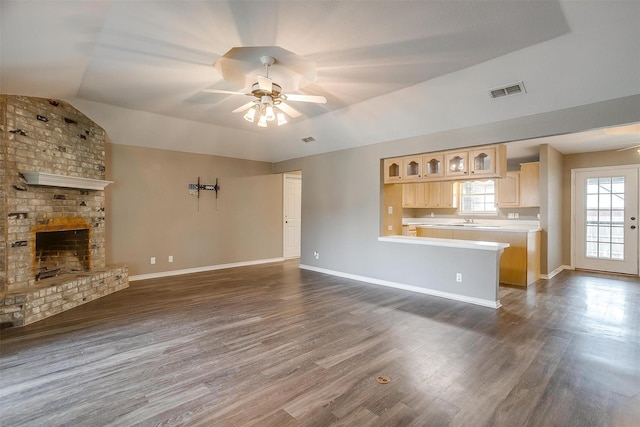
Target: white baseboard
555, 272
201, 269
426, 291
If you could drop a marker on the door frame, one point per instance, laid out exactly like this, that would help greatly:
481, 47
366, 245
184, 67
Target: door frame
286, 176
573, 207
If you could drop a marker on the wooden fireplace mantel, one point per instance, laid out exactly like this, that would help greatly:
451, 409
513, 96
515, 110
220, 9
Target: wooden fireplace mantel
55, 180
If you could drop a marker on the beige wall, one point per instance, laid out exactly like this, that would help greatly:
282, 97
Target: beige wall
586, 160
551, 207
150, 212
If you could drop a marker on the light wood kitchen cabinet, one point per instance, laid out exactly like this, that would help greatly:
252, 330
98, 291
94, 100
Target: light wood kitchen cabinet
457, 163
520, 189
429, 195
413, 195
433, 166
412, 168
392, 170
442, 194
508, 190
483, 162
530, 184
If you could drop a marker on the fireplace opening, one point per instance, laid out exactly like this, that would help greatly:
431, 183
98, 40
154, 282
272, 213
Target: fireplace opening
61, 252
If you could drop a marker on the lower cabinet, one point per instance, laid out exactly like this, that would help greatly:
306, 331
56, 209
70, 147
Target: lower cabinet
519, 263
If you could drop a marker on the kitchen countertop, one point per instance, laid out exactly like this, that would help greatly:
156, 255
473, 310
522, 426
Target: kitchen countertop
450, 243
480, 225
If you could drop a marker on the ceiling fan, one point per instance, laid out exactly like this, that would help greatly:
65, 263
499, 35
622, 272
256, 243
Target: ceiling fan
633, 129
631, 148
268, 103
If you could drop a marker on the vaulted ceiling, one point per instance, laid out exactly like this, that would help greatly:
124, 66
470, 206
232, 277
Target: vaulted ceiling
389, 69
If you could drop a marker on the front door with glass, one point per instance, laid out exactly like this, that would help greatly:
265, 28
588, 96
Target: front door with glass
606, 219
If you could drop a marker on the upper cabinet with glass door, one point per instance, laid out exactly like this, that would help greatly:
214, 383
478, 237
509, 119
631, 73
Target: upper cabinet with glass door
484, 162
433, 166
392, 170
457, 163
412, 168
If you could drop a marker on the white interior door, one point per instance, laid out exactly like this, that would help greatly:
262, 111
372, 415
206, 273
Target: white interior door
606, 219
292, 215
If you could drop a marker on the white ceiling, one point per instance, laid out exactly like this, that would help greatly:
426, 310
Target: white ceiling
389, 69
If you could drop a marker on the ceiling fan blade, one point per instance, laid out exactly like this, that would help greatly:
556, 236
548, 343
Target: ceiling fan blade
244, 107
317, 99
265, 84
291, 112
228, 92
629, 148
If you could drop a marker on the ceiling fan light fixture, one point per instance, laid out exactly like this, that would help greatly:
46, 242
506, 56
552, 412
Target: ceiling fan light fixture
250, 115
268, 99
269, 114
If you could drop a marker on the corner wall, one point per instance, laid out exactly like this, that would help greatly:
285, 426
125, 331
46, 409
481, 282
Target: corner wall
150, 212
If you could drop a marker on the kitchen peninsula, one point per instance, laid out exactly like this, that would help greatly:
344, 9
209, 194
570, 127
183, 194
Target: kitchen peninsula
520, 262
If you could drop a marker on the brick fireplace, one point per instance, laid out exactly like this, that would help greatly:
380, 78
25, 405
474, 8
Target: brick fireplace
52, 210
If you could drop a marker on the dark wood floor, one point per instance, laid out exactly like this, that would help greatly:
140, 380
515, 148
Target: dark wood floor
273, 345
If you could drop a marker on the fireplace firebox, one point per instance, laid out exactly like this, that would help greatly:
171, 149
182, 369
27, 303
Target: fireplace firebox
60, 252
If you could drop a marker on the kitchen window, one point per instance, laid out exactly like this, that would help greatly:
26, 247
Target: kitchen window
478, 197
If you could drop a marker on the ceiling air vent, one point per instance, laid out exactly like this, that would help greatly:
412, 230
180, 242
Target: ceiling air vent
512, 89
309, 139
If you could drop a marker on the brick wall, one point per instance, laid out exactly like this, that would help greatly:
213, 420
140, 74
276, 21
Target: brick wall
3, 201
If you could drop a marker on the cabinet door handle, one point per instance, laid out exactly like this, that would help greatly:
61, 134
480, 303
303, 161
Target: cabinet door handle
633, 227
633, 218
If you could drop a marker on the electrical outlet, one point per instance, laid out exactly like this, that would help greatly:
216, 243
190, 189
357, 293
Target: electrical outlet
316, 254
170, 258
459, 277
510, 215
390, 210
390, 227
516, 215
153, 260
